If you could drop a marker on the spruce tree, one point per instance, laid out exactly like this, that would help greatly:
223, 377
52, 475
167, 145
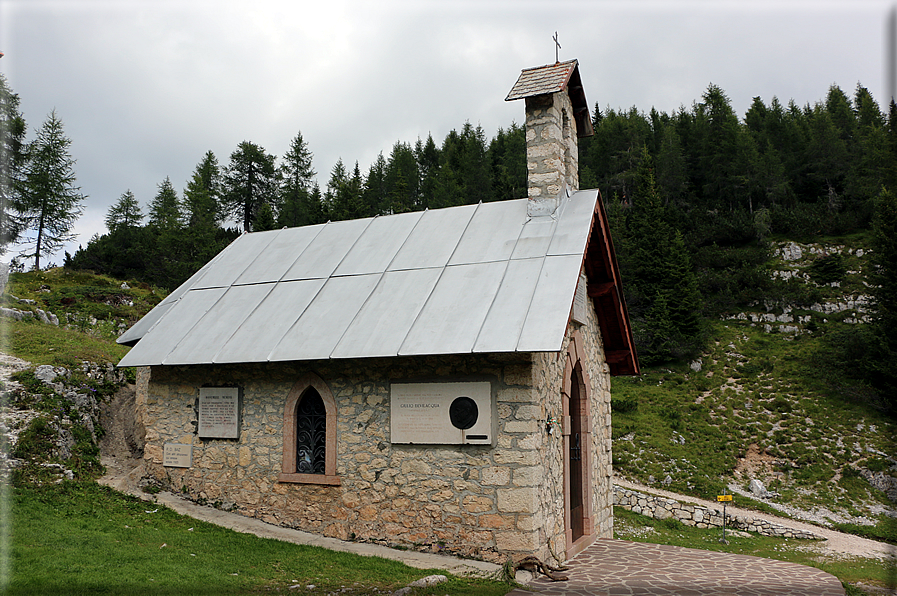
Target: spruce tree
50, 201
12, 161
666, 302
296, 179
201, 196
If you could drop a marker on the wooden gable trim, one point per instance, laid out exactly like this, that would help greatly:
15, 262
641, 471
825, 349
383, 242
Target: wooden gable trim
605, 290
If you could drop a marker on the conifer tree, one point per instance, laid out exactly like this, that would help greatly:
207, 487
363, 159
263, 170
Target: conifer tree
884, 260
264, 219
165, 211
125, 213
296, 178
201, 196
12, 160
666, 300
249, 181
50, 202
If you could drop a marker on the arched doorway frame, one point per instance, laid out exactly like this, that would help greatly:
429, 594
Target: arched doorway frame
575, 372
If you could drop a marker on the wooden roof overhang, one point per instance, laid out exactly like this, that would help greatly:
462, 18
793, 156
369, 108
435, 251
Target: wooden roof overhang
606, 291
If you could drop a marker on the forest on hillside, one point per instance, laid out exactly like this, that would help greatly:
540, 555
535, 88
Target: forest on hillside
693, 198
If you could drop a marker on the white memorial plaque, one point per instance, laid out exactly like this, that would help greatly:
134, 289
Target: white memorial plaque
219, 412
580, 301
441, 413
177, 455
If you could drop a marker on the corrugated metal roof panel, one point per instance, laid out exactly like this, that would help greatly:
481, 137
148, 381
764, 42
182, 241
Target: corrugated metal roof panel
221, 321
378, 245
492, 233
384, 321
319, 329
268, 323
280, 254
234, 260
142, 327
452, 317
321, 258
572, 234
534, 238
549, 311
170, 329
434, 238
474, 278
501, 329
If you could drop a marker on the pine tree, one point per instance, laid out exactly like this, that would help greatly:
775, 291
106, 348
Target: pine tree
249, 181
50, 202
125, 213
12, 161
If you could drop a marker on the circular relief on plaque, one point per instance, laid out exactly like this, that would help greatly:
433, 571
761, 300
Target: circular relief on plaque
463, 413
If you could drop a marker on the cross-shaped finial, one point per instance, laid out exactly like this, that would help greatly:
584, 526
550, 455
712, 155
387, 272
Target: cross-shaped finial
555, 38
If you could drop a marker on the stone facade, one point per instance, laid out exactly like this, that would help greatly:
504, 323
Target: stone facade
552, 152
477, 501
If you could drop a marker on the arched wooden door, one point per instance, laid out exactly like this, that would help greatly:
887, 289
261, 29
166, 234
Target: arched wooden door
578, 520
574, 457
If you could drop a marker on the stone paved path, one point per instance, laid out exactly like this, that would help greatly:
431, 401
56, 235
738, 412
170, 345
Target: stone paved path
619, 567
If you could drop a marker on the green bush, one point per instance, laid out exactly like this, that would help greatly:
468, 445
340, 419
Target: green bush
828, 269
624, 404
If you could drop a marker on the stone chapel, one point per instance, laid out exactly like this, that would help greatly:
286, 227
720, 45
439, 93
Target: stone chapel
436, 379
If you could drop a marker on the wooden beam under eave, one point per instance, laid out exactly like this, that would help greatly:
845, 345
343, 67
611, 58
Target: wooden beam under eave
601, 289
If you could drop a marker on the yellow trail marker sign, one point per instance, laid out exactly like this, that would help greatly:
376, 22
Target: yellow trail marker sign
724, 498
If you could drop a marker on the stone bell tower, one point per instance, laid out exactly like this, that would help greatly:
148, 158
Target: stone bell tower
557, 114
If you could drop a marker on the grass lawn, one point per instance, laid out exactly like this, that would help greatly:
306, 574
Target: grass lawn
639, 528
82, 538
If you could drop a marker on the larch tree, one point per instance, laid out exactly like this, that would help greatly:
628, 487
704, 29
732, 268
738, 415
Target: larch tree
249, 181
125, 213
50, 201
165, 211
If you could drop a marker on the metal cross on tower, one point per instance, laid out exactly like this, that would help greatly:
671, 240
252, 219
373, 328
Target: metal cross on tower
558, 46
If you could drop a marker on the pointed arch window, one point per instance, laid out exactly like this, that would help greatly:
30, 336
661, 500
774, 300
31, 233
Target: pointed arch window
309, 434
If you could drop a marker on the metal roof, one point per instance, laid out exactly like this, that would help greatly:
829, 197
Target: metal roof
468, 279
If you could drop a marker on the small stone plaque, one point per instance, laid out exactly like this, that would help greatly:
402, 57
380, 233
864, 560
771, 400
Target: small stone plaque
177, 455
580, 301
219, 412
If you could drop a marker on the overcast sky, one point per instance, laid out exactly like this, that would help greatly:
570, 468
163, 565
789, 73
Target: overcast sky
145, 88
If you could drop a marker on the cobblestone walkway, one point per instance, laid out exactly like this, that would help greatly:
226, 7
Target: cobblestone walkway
619, 567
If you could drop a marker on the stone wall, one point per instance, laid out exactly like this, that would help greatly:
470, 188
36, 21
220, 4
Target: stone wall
552, 152
476, 501
701, 517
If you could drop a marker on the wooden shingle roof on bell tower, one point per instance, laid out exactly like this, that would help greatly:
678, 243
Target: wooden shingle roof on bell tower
554, 78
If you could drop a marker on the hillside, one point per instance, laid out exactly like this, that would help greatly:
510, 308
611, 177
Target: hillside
763, 404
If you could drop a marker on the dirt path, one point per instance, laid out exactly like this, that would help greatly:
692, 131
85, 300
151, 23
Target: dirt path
835, 544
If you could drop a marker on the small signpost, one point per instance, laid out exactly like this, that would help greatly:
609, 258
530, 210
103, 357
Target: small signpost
724, 499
